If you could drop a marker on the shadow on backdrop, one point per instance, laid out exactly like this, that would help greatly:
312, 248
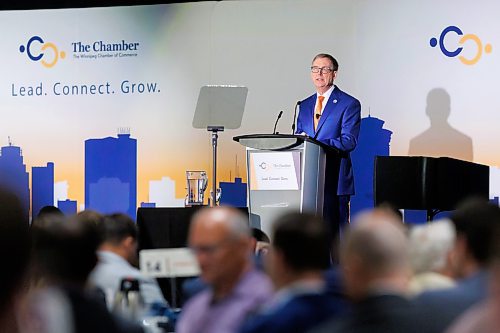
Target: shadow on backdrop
439, 140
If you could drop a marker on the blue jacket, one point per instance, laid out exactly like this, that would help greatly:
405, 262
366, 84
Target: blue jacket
298, 315
338, 127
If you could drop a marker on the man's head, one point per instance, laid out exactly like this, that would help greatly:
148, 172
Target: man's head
119, 235
64, 252
430, 247
299, 248
221, 240
47, 216
260, 242
374, 254
474, 222
323, 71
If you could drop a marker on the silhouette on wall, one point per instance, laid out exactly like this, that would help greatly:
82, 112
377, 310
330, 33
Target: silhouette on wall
233, 194
373, 141
441, 139
111, 174
42, 187
13, 175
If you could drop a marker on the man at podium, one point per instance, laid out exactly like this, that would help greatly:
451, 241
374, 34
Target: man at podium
332, 117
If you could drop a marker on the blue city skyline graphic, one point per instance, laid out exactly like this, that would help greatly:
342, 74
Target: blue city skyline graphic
110, 179
42, 187
233, 193
13, 175
68, 207
111, 174
373, 141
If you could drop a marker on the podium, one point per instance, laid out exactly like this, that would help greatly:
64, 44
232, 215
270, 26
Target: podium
284, 173
428, 183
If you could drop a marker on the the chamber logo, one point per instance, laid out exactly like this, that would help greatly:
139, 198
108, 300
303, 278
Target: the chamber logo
467, 40
46, 52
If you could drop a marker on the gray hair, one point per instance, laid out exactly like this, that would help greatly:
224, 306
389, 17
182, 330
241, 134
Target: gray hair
430, 244
334, 61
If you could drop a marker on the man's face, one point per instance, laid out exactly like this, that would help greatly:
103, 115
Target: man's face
276, 267
129, 247
323, 80
220, 255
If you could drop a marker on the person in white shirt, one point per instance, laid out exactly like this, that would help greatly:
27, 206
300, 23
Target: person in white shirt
117, 256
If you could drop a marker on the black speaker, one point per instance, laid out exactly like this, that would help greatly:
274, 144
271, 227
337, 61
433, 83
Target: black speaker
426, 183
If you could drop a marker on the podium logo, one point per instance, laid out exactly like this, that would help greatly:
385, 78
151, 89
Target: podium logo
46, 52
467, 40
263, 165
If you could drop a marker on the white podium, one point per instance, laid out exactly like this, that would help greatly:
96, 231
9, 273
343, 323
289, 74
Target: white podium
284, 173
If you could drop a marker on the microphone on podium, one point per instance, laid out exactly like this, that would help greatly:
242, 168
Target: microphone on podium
295, 117
276, 123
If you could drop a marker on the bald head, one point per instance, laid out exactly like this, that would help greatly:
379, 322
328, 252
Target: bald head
221, 240
231, 220
378, 239
374, 254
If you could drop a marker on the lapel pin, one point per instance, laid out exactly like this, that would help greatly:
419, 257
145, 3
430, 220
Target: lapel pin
334, 101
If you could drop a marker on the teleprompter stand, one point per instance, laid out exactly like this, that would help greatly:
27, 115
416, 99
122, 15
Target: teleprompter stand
218, 108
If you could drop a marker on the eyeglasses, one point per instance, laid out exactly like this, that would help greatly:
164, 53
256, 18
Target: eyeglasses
325, 70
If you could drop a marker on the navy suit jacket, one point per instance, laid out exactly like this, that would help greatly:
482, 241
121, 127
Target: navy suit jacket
439, 308
338, 127
298, 315
376, 314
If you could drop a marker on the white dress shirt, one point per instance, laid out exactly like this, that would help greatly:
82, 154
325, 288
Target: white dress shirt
110, 271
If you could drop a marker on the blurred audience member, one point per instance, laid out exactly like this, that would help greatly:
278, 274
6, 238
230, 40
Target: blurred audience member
65, 254
15, 250
49, 210
220, 238
260, 247
484, 317
47, 215
474, 221
430, 256
375, 265
117, 257
91, 217
262, 242
298, 256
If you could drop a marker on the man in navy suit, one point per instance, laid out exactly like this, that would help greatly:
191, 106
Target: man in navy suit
295, 262
332, 117
376, 269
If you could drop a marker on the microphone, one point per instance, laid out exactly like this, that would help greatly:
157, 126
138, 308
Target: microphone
276, 123
295, 117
